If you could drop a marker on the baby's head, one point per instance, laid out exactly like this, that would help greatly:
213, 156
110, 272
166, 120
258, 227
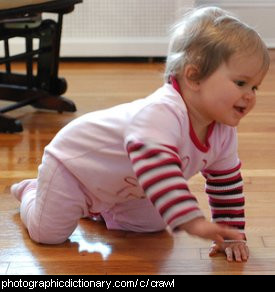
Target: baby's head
207, 37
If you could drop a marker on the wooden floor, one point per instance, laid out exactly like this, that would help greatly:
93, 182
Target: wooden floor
93, 250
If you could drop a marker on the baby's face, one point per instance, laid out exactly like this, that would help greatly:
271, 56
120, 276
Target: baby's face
230, 92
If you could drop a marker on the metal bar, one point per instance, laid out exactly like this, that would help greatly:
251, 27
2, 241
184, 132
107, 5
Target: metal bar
7, 55
23, 55
18, 105
57, 44
29, 61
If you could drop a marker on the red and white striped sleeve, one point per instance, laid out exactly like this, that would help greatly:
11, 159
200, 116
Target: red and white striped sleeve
158, 169
226, 198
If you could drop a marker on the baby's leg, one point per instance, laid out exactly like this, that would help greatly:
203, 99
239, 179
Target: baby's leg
51, 205
138, 215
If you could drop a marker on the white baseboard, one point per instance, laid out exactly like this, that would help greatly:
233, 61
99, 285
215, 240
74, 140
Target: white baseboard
105, 48
122, 48
115, 48
110, 48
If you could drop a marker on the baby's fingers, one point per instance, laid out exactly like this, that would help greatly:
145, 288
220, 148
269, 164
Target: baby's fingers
239, 253
214, 249
244, 252
229, 254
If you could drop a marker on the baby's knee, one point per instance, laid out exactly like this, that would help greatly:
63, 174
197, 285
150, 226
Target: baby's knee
47, 238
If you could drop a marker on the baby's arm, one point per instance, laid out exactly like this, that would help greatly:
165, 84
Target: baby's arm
208, 230
158, 169
226, 199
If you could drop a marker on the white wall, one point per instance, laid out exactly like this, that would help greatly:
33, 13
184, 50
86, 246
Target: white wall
119, 27
260, 14
104, 28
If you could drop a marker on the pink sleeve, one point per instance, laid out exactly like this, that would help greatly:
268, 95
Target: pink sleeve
228, 150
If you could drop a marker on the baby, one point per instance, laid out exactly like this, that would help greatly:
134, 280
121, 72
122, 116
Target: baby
130, 164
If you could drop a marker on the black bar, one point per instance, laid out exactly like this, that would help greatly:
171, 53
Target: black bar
29, 61
7, 55
23, 55
58, 43
18, 105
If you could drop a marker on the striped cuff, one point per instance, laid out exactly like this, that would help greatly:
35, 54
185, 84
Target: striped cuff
226, 198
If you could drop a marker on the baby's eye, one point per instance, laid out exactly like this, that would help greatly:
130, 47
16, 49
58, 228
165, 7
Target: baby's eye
240, 83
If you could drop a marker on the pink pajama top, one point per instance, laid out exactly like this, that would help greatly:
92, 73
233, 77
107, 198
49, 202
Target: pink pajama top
148, 149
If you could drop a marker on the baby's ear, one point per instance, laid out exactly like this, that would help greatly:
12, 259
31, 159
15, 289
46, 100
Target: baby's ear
192, 77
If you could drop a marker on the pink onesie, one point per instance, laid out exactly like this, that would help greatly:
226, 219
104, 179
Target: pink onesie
131, 164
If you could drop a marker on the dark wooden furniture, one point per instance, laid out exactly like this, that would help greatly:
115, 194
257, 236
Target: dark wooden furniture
43, 89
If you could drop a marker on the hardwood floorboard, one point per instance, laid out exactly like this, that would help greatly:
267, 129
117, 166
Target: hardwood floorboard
92, 249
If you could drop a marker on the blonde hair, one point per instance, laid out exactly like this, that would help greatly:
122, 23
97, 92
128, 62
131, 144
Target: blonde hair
206, 37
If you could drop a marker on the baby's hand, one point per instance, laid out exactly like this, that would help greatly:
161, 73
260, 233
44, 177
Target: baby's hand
233, 249
208, 230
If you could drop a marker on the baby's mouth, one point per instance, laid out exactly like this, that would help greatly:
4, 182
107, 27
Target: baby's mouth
240, 109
